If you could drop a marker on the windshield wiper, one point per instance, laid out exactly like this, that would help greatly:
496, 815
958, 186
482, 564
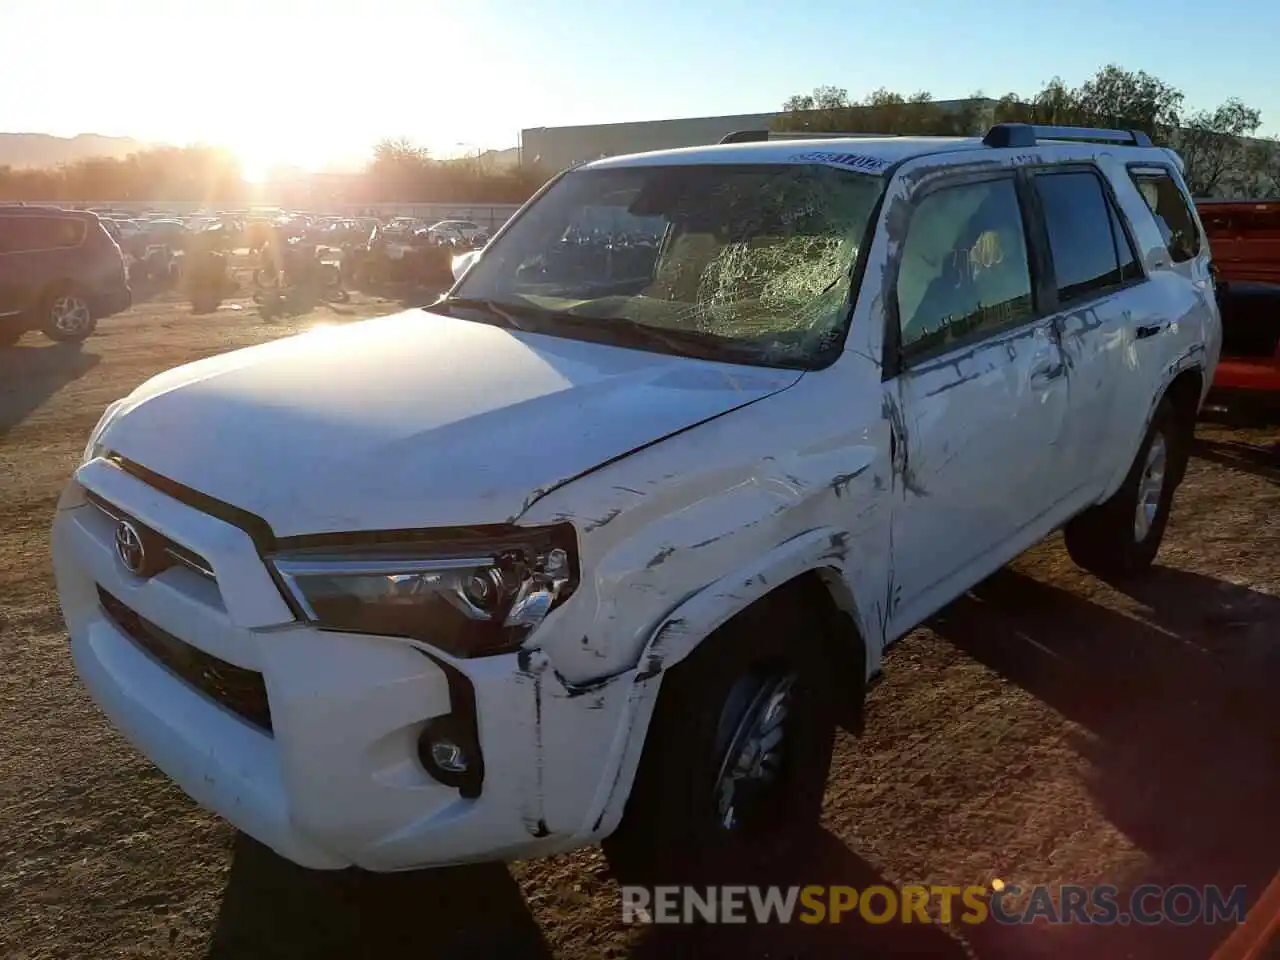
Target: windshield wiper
624, 331
495, 309
620, 331
634, 331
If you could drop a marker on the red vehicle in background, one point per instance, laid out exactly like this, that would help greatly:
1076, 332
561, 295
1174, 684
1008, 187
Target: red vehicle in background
1244, 237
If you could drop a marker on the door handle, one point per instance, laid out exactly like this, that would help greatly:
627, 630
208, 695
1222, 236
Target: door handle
1149, 330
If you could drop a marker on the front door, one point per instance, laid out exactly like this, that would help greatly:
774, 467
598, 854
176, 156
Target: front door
978, 401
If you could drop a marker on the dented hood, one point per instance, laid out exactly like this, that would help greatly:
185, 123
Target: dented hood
413, 420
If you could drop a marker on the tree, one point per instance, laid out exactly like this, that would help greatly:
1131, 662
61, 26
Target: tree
1262, 163
399, 151
1055, 105
829, 110
398, 171
1129, 100
1212, 145
822, 98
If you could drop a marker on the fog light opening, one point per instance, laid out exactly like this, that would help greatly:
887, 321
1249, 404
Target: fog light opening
449, 756
449, 753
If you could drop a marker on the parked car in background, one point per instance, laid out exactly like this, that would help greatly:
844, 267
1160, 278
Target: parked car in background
1244, 237
460, 232
129, 234
60, 272
171, 233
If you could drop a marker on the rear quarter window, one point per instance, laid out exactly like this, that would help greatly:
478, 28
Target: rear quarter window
23, 234
1172, 212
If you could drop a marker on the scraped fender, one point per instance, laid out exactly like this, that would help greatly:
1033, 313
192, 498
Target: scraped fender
823, 550
1192, 360
697, 616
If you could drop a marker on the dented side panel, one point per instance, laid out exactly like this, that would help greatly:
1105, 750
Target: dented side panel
979, 430
705, 512
1178, 302
982, 458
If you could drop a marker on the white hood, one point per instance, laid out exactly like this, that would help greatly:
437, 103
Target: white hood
413, 420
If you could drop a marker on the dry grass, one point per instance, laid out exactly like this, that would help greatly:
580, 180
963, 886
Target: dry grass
1045, 728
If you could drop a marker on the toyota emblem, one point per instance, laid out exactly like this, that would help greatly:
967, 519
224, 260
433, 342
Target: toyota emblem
129, 547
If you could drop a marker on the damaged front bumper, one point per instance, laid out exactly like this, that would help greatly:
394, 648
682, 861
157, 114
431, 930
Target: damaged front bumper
332, 777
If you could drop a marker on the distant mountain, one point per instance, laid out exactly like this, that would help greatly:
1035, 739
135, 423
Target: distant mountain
45, 150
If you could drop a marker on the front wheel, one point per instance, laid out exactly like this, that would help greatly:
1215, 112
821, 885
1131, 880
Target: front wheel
67, 318
736, 757
1119, 538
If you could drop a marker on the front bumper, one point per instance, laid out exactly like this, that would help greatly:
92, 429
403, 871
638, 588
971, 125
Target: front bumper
336, 780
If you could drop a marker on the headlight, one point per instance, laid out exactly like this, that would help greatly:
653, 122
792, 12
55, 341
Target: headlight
94, 448
469, 598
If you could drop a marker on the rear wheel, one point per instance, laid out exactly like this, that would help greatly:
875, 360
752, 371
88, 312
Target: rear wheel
67, 318
1120, 537
736, 757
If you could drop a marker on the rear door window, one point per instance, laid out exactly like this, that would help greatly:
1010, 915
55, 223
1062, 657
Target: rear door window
1089, 246
1172, 212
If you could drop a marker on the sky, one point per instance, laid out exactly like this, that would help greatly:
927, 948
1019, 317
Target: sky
317, 82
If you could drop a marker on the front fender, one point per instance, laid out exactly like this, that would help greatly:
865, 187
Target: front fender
648, 545
823, 550
701, 614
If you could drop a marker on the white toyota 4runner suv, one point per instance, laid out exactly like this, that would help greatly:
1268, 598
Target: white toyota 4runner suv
607, 541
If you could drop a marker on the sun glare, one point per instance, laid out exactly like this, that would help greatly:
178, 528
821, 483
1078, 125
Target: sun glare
261, 156
254, 169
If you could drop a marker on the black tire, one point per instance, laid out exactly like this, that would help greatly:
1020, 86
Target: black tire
1105, 539
671, 830
65, 316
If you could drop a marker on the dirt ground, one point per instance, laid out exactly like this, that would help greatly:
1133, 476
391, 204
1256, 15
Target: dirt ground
1043, 729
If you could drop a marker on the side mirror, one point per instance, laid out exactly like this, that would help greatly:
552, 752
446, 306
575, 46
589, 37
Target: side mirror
463, 261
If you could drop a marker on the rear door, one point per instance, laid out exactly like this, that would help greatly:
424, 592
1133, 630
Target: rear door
1093, 279
22, 267
976, 390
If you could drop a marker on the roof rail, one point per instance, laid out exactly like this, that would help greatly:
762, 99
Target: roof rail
1027, 135
760, 136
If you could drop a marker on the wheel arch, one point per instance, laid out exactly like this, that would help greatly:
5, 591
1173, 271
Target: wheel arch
1186, 393
807, 570
52, 288
1185, 385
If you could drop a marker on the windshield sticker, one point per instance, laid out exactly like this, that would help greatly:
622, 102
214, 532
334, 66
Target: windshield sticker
852, 161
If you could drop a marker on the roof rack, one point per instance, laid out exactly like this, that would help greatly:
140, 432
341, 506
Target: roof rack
760, 136
1027, 135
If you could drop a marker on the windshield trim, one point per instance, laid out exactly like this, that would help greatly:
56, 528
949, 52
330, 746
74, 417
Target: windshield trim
818, 361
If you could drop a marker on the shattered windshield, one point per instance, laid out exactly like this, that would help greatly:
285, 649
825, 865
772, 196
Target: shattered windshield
748, 263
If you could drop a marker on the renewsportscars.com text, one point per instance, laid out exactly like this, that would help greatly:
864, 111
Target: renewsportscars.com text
1104, 904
